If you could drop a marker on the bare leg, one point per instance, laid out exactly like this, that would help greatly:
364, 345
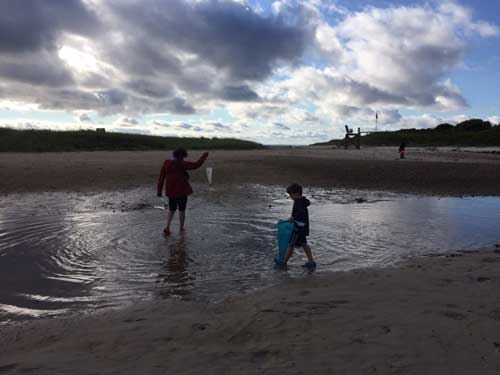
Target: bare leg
289, 253
308, 252
182, 219
170, 216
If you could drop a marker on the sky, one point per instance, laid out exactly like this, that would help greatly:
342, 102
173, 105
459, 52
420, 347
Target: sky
275, 72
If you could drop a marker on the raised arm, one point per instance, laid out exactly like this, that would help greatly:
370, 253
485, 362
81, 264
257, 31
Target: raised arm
196, 164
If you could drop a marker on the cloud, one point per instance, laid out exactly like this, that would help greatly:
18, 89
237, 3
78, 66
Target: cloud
84, 117
406, 63
184, 129
147, 56
128, 121
162, 124
30, 32
32, 25
239, 94
40, 69
219, 126
495, 120
225, 34
28, 124
280, 126
308, 65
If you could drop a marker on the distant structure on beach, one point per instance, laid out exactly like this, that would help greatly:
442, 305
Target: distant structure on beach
354, 138
351, 138
100, 130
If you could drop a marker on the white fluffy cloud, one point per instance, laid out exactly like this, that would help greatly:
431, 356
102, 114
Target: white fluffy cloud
400, 56
495, 120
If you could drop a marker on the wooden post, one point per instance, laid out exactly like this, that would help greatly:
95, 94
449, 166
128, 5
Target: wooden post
358, 139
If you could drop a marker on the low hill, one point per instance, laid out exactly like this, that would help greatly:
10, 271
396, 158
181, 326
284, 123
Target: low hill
12, 140
474, 132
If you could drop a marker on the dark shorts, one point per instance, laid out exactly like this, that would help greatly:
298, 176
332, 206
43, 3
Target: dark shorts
298, 239
180, 202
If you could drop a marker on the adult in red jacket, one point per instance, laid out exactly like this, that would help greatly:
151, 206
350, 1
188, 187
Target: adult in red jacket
177, 187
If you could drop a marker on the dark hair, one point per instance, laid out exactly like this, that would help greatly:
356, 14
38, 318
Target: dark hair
180, 153
294, 188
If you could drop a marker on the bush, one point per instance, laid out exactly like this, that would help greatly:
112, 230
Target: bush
468, 133
473, 125
12, 140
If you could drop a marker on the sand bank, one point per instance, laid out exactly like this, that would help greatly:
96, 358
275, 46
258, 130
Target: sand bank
427, 316
438, 172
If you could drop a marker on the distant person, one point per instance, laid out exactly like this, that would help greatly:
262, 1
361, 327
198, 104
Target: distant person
402, 147
177, 187
300, 216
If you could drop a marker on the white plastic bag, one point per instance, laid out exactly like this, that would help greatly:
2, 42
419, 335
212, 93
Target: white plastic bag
209, 175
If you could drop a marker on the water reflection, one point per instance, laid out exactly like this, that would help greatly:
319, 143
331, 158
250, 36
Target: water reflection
174, 279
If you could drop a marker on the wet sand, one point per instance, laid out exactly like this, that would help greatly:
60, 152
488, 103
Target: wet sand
425, 171
428, 316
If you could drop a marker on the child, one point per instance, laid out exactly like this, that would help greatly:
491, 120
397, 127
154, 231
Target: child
300, 216
402, 147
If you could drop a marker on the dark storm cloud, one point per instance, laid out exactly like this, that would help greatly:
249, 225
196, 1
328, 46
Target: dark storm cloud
35, 72
29, 44
150, 88
179, 106
225, 34
30, 25
139, 54
239, 94
112, 97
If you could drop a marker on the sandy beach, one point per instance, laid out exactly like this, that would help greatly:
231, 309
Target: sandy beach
427, 316
425, 171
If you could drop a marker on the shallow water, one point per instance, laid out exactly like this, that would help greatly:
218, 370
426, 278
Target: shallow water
64, 252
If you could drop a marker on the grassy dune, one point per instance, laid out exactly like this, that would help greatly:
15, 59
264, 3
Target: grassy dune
467, 133
12, 140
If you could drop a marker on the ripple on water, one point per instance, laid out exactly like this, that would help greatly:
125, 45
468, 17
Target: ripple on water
64, 252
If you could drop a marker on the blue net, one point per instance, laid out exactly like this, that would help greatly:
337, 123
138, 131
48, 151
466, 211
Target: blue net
285, 229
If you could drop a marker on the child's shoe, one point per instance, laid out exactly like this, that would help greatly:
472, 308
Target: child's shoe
279, 263
309, 265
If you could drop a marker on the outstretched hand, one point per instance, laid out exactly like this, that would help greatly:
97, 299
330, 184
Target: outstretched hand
205, 155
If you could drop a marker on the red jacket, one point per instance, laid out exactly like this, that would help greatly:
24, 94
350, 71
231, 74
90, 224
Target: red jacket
177, 184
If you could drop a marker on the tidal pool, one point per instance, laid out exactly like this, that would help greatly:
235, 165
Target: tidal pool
68, 252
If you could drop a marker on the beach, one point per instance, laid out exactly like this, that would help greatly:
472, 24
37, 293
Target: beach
424, 315
424, 171
438, 315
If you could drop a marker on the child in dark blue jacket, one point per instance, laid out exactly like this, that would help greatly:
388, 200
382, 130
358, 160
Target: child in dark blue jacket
300, 216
